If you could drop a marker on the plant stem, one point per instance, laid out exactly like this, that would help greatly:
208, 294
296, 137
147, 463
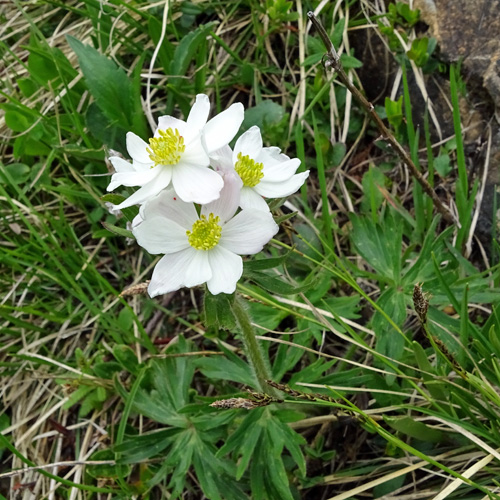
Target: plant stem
253, 350
333, 61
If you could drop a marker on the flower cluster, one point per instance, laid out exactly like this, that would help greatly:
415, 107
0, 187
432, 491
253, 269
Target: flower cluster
191, 185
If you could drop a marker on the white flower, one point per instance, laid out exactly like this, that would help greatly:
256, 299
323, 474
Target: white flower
264, 171
203, 248
178, 154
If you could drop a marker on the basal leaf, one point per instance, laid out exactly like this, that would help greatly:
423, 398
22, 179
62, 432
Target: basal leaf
139, 448
109, 84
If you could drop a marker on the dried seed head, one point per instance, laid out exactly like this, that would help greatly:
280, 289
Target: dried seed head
135, 289
420, 302
227, 404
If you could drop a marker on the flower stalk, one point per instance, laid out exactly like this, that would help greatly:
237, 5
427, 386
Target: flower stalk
253, 350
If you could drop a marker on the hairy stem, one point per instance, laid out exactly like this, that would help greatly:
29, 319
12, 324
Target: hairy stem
333, 61
252, 348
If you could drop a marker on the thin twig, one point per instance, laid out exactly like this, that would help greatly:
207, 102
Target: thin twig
332, 60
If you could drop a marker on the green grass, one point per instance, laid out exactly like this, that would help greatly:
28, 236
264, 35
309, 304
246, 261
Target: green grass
118, 387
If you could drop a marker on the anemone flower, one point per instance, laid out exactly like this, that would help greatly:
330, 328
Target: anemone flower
201, 248
265, 172
177, 155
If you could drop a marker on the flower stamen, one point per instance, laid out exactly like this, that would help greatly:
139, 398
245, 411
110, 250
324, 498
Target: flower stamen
205, 233
167, 148
249, 170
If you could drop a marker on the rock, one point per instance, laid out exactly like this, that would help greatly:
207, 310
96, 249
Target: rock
468, 30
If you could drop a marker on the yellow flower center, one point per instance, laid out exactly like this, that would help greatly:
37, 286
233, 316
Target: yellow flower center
167, 148
205, 234
249, 170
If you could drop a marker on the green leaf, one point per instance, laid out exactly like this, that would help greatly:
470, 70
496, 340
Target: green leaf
262, 264
41, 64
379, 244
414, 429
18, 172
18, 120
138, 448
265, 113
284, 217
105, 130
79, 394
442, 165
106, 369
251, 439
231, 368
129, 213
165, 389
104, 470
108, 84
389, 342
338, 33
126, 358
276, 285
292, 442
218, 311
350, 61
394, 111
186, 51
27, 86
418, 51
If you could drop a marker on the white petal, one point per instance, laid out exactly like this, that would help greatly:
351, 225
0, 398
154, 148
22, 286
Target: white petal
149, 190
248, 232
170, 272
198, 270
227, 203
271, 156
222, 159
227, 269
249, 199
136, 148
165, 122
195, 154
121, 165
136, 221
281, 172
281, 189
249, 143
198, 115
222, 128
275, 153
133, 178
158, 234
169, 205
197, 184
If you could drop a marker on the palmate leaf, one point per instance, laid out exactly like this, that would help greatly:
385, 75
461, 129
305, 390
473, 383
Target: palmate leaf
230, 368
140, 448
189, 440
380, 245
166, 387
258, 443
216, 476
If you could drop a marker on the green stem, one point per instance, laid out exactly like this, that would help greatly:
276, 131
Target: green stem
252, 348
